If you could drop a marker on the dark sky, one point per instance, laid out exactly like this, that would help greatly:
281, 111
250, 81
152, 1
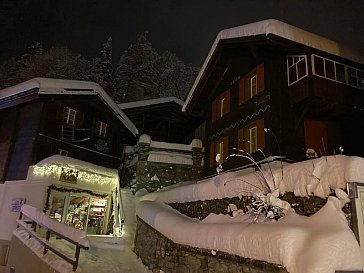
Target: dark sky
187, 28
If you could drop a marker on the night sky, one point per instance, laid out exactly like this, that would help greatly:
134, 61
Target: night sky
187, 28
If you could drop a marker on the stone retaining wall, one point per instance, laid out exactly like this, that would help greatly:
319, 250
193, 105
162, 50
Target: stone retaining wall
163, 255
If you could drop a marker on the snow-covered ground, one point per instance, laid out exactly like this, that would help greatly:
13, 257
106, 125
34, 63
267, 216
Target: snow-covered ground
107, 255
321, 243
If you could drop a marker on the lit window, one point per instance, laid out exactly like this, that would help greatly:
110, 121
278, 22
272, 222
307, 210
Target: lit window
296, 68
251, 84
69, 116
251, 137
101, 128
221, 106
220, 146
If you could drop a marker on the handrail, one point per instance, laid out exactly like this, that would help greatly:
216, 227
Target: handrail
30, 226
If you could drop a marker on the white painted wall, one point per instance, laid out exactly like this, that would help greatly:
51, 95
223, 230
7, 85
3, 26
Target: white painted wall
34, 193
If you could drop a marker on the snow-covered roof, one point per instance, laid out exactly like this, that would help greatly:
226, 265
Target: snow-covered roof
281, 29
142, 103
78, 164
47, 86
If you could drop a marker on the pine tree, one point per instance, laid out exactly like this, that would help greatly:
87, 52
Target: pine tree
57, 62
102, 72
135, 74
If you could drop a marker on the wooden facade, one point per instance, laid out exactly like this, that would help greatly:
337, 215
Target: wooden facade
161, 119
71, 124
280, 101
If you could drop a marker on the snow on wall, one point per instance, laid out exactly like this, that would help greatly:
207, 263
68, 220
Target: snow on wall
171, 158
321, 243
311, 177
195, 143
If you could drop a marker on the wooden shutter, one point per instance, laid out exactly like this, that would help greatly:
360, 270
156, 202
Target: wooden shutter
225, 147
79, 119
226, 109
212, 154
240, 140
60, 112
213, 111
260, 78
260, 134
241, 91
315, 135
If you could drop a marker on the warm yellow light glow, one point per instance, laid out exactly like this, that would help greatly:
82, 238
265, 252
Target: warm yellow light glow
89, 177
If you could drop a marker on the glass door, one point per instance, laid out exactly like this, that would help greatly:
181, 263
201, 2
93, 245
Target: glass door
81, 211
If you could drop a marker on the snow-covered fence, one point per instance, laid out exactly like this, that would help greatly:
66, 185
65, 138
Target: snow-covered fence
52, 227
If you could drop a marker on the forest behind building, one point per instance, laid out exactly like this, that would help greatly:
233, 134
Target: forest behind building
141, 72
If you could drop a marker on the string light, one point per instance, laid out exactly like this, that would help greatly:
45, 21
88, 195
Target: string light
54, 169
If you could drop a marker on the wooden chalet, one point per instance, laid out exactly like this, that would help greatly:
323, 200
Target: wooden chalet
269, 88
162, 119
43, 117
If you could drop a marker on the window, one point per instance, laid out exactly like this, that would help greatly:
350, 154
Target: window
220, 106
251, 84
296, 68
63, 152
251, 137
101, 128
69, 116
338, 72
220, 146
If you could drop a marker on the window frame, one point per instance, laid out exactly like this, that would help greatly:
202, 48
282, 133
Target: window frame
220, 106
253, 92
69, 116
101, 128
348, 76
246, 89
219, 146
295, 66
253, 131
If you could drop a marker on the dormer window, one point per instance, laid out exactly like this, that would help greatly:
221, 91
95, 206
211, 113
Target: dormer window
69, 116
101, 128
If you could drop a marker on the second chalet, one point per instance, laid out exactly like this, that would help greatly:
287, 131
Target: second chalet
269, 88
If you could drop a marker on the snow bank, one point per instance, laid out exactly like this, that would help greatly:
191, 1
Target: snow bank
321, 243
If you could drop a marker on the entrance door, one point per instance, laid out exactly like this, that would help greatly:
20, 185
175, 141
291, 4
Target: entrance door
81, 211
